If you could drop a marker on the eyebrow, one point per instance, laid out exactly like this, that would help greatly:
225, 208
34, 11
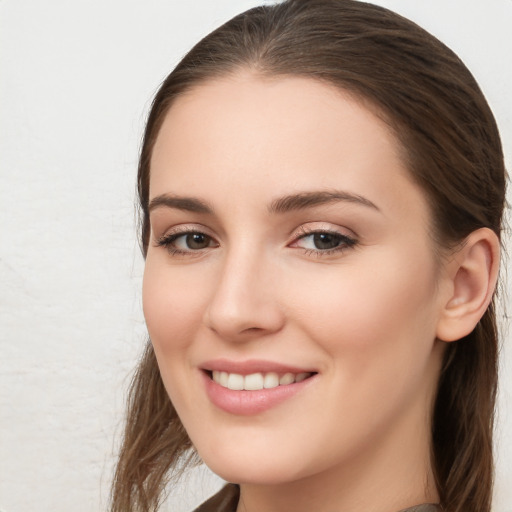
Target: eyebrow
292, 202
189, 204
306, 200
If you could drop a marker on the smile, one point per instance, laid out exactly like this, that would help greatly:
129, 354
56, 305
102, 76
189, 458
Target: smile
257, 381
253, 387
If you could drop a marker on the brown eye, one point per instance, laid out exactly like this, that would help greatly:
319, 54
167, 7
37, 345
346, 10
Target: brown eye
323, 241
197, 241
186, 242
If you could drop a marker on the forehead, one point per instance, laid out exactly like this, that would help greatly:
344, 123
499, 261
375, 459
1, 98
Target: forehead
264, 109
262, 136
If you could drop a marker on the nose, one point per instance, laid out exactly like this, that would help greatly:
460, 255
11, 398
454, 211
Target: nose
244, 303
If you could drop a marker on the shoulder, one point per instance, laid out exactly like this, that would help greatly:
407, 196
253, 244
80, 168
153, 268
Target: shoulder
424, 508
226, 500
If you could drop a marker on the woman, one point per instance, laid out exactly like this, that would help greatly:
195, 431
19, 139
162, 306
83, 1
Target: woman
321, 185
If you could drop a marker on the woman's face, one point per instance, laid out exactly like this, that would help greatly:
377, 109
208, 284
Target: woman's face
288, 244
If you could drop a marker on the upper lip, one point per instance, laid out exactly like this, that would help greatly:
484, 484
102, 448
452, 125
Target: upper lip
251, 366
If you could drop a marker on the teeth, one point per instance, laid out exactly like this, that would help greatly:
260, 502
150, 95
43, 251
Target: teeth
235, 381
223, 380
253, 382
256, 381
287, 378
271, 380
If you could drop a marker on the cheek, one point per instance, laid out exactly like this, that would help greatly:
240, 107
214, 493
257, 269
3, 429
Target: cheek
376, 324
172, 305
380, 308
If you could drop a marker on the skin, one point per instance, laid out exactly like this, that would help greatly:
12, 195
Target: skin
366, 318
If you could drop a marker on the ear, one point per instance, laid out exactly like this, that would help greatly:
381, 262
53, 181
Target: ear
472, 275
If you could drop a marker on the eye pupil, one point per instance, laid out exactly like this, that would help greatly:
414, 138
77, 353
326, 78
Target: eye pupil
325, 241
197, 241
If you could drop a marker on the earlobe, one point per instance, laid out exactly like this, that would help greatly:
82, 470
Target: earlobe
473, 273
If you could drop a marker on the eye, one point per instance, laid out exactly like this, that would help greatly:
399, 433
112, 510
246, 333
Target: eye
186, 242
324, 242
193, 241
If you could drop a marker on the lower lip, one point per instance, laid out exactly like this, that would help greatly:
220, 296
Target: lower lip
246, 403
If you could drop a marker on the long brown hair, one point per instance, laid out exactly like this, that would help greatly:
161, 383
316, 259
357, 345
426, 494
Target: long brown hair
452, 148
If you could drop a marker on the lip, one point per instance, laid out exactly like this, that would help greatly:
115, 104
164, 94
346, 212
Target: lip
246, 403
252, 366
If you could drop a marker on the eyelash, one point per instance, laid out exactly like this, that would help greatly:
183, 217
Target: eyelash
345, 242
168, 240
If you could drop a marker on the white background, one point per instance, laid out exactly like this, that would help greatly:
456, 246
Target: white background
76, 79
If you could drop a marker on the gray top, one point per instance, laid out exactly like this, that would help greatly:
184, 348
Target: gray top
226, 500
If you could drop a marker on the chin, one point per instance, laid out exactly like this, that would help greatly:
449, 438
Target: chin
257, 475
258, 468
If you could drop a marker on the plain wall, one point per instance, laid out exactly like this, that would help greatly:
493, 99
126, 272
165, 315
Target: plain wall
76, 80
